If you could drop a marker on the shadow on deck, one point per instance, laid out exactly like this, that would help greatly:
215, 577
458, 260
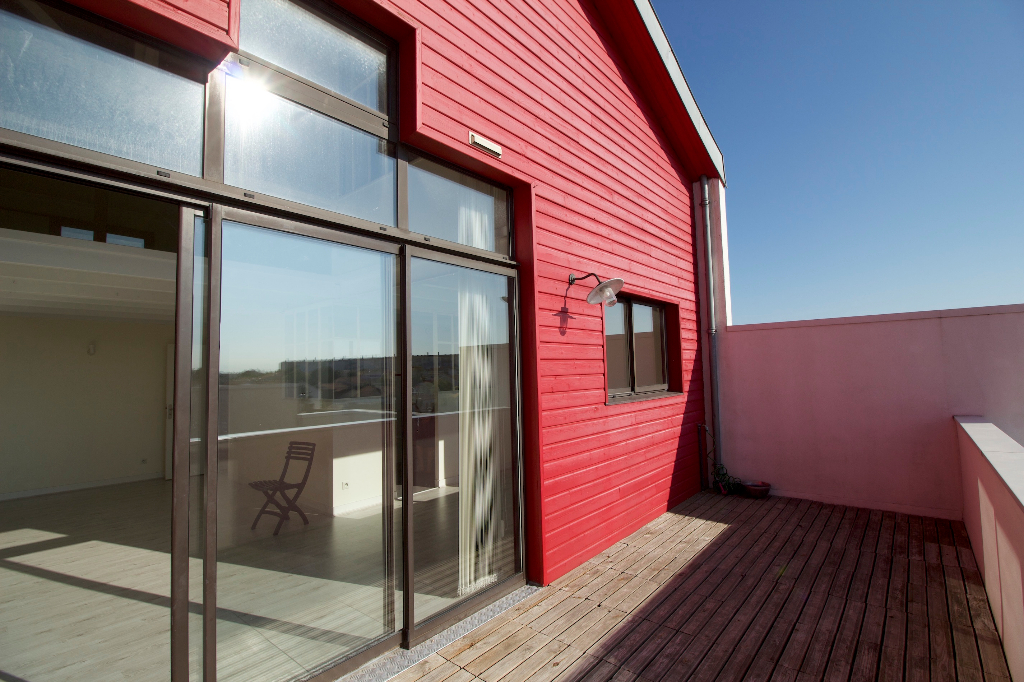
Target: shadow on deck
725, 588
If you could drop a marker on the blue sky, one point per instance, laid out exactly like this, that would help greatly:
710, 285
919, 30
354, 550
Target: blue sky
874, 150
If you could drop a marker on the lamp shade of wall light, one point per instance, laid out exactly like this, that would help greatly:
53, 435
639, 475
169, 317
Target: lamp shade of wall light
604, 292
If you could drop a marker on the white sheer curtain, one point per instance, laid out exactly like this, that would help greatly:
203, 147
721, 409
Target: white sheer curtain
476, 219
477, 473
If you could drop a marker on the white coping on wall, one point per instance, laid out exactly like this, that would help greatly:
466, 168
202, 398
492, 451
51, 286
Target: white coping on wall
668, 56
1004, 453
891, 317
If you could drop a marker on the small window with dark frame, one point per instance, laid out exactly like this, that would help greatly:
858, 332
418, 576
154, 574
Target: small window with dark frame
634, 333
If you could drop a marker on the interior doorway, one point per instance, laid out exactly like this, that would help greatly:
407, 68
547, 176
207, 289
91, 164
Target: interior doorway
85, 505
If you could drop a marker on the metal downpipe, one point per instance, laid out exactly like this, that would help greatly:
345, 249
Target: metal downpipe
712, 325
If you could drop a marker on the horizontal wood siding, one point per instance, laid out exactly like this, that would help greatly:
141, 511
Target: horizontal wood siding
609, 194
542, 79
206, 27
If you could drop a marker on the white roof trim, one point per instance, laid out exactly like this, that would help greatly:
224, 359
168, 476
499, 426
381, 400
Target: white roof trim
672, 64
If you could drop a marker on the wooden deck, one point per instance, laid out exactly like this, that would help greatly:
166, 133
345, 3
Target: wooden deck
724, 588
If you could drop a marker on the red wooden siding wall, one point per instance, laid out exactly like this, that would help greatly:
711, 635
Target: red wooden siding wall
206, 27
598, 188
539, 78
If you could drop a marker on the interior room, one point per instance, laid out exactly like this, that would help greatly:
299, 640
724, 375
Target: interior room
87, 301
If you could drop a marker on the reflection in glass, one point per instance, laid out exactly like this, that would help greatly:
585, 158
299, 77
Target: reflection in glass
463, 482
648, 346
197, 448
125, 98
280, 148
320, 50
616, 349
86, 415
448, 204
307, 426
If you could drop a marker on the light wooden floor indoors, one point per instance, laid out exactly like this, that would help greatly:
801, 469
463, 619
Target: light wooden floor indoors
85, 587
85, 591
725, 588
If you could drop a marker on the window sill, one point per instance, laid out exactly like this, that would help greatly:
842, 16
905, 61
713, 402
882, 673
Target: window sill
639, 397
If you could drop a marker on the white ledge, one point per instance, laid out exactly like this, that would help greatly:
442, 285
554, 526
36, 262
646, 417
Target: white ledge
1004, 453
888, 317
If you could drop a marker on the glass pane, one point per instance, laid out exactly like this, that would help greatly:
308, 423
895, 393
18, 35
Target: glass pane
197, 449
307, 429
280, 148
125, 98
448, 204
86, 391
320, 50
616, 349
463, 482
648, 345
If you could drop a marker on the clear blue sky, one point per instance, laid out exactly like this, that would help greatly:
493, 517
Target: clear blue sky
874, 150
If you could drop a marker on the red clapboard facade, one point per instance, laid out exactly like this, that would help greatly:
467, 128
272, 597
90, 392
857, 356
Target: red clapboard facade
601, 155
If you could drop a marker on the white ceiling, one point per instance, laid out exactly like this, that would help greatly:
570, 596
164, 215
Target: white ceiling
49, 275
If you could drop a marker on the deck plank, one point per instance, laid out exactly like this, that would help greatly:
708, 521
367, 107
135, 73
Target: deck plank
731, 589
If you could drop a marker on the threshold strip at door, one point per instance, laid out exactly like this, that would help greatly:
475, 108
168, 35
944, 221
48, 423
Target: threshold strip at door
399, 660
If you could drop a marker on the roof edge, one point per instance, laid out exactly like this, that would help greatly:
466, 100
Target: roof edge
668, 58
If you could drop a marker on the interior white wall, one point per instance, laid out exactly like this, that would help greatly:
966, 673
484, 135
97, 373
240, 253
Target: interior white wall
68, 418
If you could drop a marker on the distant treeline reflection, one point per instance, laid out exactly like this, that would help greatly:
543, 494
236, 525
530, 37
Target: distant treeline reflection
342, 378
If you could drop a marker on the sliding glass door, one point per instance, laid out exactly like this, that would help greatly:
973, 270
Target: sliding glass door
363, 486
463, 466
307, 432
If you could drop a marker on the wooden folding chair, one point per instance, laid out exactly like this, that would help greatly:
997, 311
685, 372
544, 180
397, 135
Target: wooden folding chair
277, 491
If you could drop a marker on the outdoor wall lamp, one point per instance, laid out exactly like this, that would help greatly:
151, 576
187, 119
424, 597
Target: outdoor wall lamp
604, 292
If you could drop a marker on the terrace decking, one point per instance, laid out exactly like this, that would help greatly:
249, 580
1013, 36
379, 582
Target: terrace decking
724, 588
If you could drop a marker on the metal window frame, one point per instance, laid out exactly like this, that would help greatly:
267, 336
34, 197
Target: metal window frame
28, 152
23, 148
410, 633
660, 308
209, 664
416, 633
308, 94
188, 210
635, 392
209, 196
189, 207
180, 444
332, 13
287, 226
189, 61
628, 331
407, 155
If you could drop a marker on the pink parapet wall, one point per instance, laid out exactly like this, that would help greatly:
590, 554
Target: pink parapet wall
992, 469
858, 411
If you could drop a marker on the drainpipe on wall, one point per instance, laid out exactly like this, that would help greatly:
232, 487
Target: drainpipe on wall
712, 315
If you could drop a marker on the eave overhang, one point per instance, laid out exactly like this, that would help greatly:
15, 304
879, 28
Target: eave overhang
642, 43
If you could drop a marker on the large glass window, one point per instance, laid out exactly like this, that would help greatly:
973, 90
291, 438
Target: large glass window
277, 147
635, 347
65, 79
304, 41
449, 204
463, 476
305, 568
198, 413
649, 346
86, 392
295, 415
617, 349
